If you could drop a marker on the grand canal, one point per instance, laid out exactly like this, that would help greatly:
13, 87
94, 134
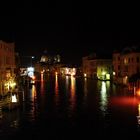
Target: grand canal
69, 107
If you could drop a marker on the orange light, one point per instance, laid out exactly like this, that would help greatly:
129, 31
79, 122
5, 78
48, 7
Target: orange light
33, 77
138, 92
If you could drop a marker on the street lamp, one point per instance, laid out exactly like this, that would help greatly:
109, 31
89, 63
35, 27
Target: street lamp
32, 57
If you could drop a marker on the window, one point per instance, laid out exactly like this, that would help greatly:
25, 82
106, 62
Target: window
118, 67
138, 70
138, 60
126, 68
114, 58
118, 58
125, 61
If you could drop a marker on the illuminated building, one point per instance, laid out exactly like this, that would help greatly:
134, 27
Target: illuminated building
125, 64
69, 71
7, 65
98, 68
48, 63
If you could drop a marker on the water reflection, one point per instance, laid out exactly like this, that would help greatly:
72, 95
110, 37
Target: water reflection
56, 84
85, 91
85, 87
42, 84
33, 103
56, 90
72, 92
138, 117
42, 112
67, 83
33, 93
1, 109
104, 97
14, 118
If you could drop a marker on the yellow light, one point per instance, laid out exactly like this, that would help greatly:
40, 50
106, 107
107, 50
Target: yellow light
114, 73
56, 73
85, 75
103, 73
107, 76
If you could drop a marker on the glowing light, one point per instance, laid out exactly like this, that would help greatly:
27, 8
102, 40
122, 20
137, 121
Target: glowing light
125, 79
56, 84
33, 93
114, 73
138, 117
73, 72
107, 76
14, 98
125, 61
103, 88
103, 73
138, 92
42, 84
104, 100
42, 71
10, 84
67, 71
139, 109
33, 77
56, 73
30, 71
73, 91
85, 75
85, 86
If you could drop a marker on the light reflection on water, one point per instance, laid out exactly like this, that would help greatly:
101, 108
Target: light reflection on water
67, 83
42, 83
104, 96
138, 117
56, 84
33, 103
56, 90
73, 92
85, 87
67, 100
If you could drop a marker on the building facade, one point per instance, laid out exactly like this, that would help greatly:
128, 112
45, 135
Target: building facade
125, 64
97, 68
7, 65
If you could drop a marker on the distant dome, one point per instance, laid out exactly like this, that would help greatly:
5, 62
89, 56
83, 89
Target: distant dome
44, 59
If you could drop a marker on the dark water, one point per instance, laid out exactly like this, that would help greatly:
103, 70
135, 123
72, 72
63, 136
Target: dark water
69, 108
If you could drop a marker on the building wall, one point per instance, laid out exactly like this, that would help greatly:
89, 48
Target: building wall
95, 67
126, 66
7, 61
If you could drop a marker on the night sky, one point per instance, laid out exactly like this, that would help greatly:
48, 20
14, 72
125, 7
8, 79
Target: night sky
71, 29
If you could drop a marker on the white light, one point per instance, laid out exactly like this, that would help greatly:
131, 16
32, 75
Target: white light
30, 69
85, 75
14, 99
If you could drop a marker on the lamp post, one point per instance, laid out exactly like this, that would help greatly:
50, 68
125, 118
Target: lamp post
32, 57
